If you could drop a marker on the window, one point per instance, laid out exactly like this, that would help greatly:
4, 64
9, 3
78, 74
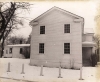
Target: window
21, 50
42, 29
6, 51
67, 28
41, 47
66, 48
10, 50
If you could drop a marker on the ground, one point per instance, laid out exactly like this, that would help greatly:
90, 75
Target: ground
32, 73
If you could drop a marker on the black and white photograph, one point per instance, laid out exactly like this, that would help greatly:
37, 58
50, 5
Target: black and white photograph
50, 41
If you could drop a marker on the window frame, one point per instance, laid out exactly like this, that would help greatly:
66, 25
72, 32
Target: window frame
10, 50
41, 48
42, 29
67, 28
67, 48
6, 51
21, 50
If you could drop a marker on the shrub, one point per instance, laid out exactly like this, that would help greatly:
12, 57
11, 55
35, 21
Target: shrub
26, 52
94, 59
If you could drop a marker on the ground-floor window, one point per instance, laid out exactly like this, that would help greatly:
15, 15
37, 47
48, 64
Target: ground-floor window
41, 47
6, 51
21, 50
66, 48
10, 50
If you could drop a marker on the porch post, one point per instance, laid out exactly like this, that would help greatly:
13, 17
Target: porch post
93, 50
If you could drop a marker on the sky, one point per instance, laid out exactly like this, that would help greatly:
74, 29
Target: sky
85, 9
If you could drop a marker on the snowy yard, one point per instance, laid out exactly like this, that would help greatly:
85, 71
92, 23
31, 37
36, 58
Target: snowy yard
32, 73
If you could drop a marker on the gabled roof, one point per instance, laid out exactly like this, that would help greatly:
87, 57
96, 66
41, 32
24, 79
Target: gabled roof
57, 8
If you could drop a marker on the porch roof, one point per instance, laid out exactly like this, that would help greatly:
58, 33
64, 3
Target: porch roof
88, 44
21, 45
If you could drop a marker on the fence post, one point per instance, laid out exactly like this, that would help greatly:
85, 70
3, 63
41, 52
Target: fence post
60, 71
22, 69
41, 71
81, 74
8, 67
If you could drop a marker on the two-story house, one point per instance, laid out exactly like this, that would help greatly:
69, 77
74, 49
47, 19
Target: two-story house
58, 39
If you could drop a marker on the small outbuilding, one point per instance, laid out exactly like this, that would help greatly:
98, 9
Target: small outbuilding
15, 51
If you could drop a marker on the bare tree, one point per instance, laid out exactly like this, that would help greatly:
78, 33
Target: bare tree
97, 40
29, 39
9, 18
16, 40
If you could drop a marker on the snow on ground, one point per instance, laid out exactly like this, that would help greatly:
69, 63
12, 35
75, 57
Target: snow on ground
32, 73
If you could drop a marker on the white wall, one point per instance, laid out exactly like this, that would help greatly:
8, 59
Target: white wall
15, 52
54, 39
88, 37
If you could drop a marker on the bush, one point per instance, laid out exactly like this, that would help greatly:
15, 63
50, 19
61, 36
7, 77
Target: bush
94, 59
26, 52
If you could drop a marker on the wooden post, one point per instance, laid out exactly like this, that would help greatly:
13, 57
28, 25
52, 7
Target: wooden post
59, 71
41, 71
22, 69
8, 67
81, 74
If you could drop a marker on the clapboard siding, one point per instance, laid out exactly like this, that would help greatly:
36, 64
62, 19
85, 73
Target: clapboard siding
54, 39
88, 37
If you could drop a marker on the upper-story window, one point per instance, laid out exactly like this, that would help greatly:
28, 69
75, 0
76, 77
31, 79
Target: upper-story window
42, 29
67, 28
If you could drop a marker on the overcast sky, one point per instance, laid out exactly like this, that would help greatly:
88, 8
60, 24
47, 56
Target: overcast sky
85, 9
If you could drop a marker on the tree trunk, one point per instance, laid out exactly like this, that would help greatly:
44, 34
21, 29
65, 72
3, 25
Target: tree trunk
98, 52
2, 47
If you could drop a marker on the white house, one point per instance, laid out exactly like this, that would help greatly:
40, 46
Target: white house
15, 51
58, 38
